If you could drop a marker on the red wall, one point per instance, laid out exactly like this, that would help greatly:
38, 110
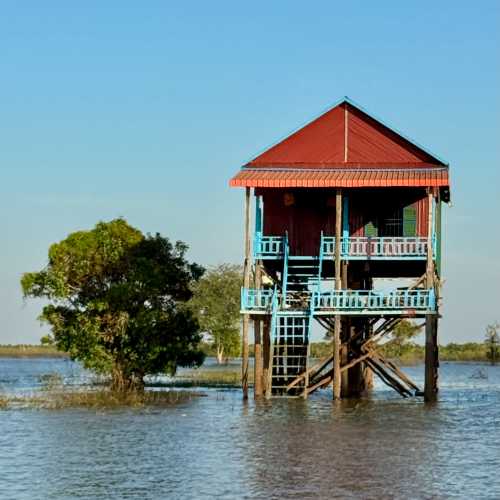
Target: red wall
364, 204
313, 211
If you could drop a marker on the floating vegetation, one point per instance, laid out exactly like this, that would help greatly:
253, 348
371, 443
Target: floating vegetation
64, 398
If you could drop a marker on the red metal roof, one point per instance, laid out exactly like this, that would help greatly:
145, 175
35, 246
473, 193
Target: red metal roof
334, 178
344, 147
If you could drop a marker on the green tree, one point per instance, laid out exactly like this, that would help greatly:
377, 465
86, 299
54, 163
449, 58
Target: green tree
117, 302
216, 305
402, 334
47, 340
492, 342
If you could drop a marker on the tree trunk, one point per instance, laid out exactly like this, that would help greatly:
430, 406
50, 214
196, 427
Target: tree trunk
122, 381
220, 354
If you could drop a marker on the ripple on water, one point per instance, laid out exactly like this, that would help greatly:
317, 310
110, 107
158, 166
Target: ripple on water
220, 447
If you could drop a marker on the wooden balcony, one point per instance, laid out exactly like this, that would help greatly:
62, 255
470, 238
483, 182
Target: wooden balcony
340, 302
352, 248
256, 300
377, 248
369, 302
268, 247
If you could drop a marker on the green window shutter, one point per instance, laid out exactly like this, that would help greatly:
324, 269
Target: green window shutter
371, 229
410, 221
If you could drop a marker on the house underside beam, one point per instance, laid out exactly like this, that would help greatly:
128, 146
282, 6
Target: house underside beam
368, 354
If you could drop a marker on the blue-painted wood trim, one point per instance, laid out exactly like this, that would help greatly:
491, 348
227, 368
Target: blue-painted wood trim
284, 278
258, 215
345, 228
367, 302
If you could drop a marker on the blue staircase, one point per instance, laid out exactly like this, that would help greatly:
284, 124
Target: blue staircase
301, 278
292, 321
290, 351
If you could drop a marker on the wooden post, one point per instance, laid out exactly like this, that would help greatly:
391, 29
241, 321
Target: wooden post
246, 284
266, 371
367, 374
336, 330
431, 345
438, 230
345, 333
257, 379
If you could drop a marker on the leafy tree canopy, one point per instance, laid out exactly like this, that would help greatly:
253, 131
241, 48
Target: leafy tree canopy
402, 335
216, 304
117, 302
492, 341
405, 331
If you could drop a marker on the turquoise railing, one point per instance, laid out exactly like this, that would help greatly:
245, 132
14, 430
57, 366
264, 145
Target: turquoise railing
352, 247
385, 247
267, 247
358, 300
256, 299
345, 301
328, 246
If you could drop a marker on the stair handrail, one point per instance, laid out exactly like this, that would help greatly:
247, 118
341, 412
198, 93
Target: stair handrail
274, 311
285, 270
257, 245
320, 264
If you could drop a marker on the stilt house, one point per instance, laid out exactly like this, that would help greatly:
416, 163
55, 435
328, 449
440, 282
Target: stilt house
340, 204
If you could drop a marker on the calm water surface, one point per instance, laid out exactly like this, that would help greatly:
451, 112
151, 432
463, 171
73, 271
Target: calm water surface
216, 446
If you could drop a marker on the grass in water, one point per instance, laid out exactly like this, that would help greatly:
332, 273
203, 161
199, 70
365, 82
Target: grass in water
54, 396
209, 378
105, 398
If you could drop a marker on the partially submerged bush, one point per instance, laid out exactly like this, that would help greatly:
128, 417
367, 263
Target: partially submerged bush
210, 378
106, 398
98, 399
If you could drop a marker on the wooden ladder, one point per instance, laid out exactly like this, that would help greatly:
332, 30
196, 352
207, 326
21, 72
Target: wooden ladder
290, 350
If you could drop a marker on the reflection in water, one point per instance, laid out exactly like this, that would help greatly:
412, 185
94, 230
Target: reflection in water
219, 447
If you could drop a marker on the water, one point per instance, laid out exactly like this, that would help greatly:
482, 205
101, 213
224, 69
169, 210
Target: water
216, 446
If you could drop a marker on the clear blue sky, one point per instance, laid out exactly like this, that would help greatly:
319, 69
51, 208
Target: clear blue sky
145, 110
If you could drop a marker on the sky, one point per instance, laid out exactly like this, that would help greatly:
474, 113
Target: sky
145, 110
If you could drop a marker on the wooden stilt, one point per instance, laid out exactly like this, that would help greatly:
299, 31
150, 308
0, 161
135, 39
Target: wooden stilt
391, 366
266, 351
366, 373
327, 379
345, 337
327, 325
317, 368
258, 368
246, 284
354, 362
382, 331
336, 332
431, 344
387, 378
345, 329
431, 359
